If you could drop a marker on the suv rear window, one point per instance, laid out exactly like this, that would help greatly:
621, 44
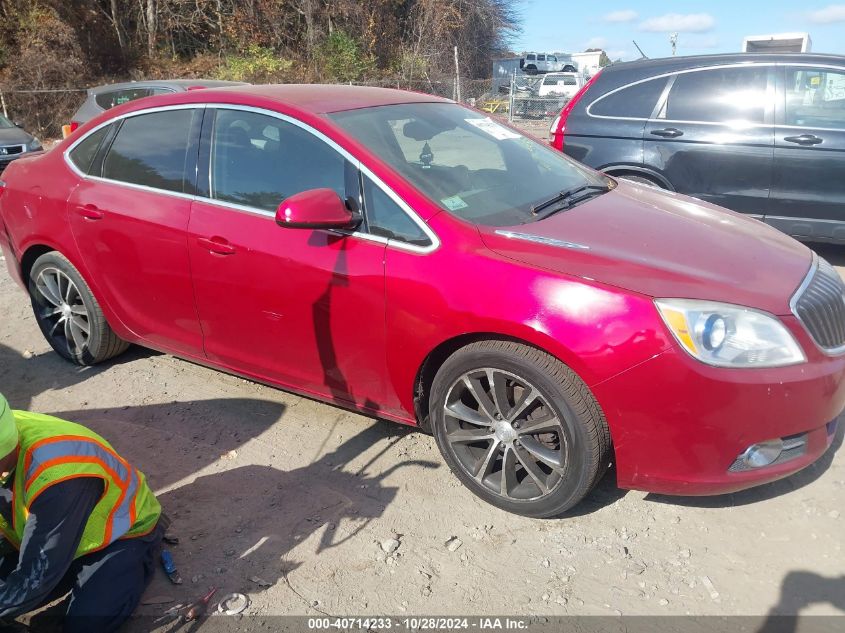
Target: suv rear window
636, 101
718, 95
108, 100
150, 150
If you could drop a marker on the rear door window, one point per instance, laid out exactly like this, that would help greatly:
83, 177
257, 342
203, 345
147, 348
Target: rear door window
635, 101
720, 95
83, 154
151, 150
815, 98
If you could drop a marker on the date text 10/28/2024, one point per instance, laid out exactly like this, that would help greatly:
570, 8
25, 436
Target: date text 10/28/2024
419, 624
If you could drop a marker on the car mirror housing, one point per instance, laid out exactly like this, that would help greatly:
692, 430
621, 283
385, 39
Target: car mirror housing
316, 209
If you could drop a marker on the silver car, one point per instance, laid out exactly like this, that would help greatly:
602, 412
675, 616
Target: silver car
102, 98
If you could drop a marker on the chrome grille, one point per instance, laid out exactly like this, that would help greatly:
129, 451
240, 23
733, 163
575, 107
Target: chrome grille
10, 150
820, 305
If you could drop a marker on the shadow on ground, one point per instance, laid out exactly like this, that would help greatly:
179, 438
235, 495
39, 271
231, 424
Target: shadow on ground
799, 590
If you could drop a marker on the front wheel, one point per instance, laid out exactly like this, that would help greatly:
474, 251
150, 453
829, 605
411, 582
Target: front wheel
68, 314
518, 428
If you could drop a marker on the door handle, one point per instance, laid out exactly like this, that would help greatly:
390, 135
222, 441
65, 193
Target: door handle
90, 212
804, 139
669, 132
217, 245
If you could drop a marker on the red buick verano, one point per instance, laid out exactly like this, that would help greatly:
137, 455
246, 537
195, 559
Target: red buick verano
412, 259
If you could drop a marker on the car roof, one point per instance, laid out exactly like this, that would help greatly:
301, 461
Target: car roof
698, 61
311, 98
175, 84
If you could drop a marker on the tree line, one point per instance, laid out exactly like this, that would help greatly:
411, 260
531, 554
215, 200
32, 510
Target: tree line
66, 42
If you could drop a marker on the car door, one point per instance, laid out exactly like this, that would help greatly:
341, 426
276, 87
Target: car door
808, 194
608, 132
712, 136
299, 307
129, 216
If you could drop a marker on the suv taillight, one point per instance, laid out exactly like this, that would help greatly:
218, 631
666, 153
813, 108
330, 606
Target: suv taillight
70, 128
558, 126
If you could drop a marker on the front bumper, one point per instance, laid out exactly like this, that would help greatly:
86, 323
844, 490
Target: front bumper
678, 425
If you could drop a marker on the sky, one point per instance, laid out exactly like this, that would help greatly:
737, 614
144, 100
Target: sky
715, 26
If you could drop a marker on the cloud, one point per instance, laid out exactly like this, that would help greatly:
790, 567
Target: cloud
626, 15
831, 13
694, 42
596, 42
689, 23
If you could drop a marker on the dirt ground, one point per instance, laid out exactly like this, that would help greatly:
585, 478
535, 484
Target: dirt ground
294, 503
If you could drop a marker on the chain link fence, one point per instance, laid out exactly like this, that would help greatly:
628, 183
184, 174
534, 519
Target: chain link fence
43, 111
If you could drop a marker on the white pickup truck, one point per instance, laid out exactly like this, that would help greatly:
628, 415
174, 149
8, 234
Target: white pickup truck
560, 84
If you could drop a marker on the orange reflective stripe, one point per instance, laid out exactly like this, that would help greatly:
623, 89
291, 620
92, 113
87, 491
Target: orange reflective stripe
47, 440
81, 446
74, 459
74, 476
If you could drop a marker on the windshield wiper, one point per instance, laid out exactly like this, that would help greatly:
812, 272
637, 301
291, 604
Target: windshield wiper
568, 199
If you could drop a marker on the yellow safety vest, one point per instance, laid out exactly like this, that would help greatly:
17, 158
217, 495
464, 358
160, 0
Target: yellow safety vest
52, 451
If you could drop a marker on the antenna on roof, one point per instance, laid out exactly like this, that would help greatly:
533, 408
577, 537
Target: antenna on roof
673, 40
644, 56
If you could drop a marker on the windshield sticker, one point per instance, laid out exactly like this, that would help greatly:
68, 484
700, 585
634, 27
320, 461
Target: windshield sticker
499, 132
454, 203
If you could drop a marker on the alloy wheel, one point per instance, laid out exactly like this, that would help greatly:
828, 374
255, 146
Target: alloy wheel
61, 311
505, 434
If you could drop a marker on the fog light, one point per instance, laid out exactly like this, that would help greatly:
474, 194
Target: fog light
763, 453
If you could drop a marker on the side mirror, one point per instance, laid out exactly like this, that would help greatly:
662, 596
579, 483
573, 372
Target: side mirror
19, 124
316, 209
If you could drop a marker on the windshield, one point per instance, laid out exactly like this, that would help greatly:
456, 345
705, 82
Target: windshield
4, 122
470, 165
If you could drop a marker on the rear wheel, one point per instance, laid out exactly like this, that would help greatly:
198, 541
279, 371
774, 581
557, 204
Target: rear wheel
68, 314
518, 428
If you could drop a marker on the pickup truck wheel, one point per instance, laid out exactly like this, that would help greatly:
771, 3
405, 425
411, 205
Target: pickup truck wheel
518, 428
68, 314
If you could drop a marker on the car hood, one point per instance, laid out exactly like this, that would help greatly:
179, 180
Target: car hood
14, 136
662, 244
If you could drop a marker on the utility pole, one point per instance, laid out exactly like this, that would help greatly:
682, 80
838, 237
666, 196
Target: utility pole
457, 77
673, 40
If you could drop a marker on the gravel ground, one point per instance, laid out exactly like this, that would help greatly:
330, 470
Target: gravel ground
313, 510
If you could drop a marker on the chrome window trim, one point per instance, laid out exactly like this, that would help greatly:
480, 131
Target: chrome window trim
413, 248
675, 73
793, 303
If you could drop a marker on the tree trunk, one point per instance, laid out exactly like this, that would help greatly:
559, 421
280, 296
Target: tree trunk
151, 16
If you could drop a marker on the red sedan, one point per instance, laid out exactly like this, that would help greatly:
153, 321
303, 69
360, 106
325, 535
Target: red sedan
412, 259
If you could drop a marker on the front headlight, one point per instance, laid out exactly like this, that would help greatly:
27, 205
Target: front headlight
34, 145
727, 335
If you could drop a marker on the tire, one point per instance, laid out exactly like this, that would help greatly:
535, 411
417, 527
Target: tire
516, 467
531, 69
640, 180
64, 308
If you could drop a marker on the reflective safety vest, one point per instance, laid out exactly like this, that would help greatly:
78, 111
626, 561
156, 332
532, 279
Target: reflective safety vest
52, 451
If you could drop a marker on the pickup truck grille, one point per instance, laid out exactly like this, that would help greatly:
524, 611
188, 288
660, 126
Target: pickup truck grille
820, 306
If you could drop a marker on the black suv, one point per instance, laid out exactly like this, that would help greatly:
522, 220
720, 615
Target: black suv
763, 134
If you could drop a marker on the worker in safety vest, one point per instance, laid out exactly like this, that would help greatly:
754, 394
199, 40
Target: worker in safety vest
75, 517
